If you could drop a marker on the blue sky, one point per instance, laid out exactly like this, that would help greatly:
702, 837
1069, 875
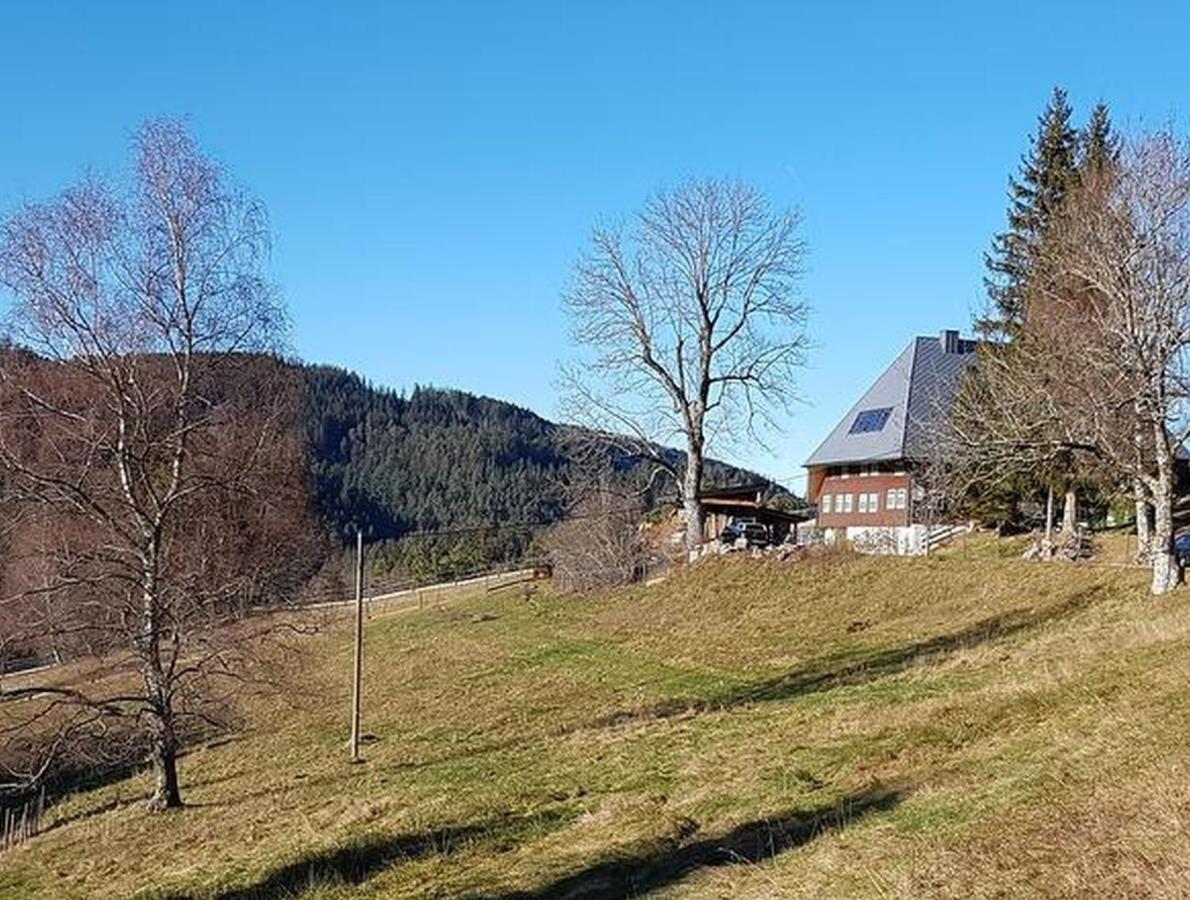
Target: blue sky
432, 170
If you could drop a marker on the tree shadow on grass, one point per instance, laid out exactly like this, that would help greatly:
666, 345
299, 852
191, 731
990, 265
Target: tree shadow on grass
356, 862
868, 667
660, 865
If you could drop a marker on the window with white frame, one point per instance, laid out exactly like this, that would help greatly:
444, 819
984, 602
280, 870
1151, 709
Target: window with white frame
874, 502
826, 503
897, 498
847, 502
863, 503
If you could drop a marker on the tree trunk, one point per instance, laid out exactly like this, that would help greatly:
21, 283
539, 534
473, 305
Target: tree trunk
1144, 525
1070, 513
1049, 518
166, 792
692, 501
162, 734
1166, 570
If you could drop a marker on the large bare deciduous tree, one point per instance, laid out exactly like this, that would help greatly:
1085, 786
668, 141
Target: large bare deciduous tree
147, 447
692, 326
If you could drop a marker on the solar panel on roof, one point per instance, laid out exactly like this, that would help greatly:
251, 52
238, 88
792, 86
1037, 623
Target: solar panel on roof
867, 420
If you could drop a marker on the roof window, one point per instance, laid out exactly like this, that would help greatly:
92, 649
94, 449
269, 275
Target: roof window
867, 420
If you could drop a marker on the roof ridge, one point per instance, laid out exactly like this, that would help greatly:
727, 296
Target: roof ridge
909, 389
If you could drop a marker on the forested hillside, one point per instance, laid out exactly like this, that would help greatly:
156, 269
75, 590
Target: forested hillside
443, 460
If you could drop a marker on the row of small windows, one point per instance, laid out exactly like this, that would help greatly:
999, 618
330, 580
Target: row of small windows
894, 498
866, 469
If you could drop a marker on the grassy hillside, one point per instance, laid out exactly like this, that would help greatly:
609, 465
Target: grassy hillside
969, 725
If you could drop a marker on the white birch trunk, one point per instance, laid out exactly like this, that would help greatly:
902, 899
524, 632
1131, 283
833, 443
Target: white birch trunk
1166, 570
1144, 529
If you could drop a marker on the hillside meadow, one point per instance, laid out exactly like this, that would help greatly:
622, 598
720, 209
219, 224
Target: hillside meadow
967, 725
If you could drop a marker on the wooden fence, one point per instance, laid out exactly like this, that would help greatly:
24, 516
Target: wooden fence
19, 823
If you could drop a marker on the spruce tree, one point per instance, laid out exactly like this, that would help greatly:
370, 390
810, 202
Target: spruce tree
1046, 173
1099, 148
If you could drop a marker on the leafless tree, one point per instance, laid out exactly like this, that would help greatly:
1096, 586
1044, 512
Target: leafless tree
145, 443
599, 544
1100, 372
1120, 261
691, 326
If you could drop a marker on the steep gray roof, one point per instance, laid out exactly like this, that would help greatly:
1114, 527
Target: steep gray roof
917, 391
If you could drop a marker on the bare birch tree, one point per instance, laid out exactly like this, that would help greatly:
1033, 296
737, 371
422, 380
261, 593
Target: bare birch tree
1100, 372
143, 430
692, 326
1120, 262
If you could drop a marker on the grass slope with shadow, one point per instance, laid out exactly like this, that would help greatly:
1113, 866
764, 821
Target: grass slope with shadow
968, 725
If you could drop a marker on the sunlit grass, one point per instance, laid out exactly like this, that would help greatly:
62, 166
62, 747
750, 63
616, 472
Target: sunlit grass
964, 725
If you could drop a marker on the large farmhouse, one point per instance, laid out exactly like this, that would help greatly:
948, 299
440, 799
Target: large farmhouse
861, 478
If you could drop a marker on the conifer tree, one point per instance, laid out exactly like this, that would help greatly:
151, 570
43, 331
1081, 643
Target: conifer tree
1034, 196
1099, 148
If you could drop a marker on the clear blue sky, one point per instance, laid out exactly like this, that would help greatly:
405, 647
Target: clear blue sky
432, 170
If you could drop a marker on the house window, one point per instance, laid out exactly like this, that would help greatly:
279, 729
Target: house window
847, 501
826, 503
863, 503
874, 503
896, 498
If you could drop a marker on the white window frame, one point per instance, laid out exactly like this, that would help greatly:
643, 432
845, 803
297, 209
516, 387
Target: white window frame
825, 503
874, 502
863, 503
848, 502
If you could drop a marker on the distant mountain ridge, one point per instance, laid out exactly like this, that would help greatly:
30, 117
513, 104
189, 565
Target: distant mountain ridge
441, 459
481, 476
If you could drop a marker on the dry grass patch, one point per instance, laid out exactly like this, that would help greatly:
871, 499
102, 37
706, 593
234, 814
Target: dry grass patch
969, 724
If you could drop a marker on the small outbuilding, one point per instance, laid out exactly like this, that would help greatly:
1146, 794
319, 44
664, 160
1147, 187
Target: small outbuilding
723, 506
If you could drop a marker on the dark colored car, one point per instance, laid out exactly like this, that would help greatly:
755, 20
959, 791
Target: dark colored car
1181, 546
753, 532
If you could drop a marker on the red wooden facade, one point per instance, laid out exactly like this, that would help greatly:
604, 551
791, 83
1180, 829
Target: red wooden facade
877, 495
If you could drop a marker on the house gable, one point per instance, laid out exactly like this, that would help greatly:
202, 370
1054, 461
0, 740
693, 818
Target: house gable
852, 440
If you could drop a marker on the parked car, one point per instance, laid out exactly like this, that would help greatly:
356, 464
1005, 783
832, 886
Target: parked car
1181, 546
753, 533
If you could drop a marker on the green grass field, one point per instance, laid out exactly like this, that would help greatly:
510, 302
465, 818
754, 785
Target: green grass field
969, 725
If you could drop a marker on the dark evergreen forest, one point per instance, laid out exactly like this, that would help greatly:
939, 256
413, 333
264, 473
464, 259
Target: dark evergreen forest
487, 473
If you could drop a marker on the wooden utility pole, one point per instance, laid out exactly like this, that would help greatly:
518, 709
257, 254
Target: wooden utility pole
357, 683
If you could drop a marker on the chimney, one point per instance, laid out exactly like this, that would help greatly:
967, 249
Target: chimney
949, 339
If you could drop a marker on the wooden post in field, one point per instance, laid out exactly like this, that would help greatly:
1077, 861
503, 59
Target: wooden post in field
357, 682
